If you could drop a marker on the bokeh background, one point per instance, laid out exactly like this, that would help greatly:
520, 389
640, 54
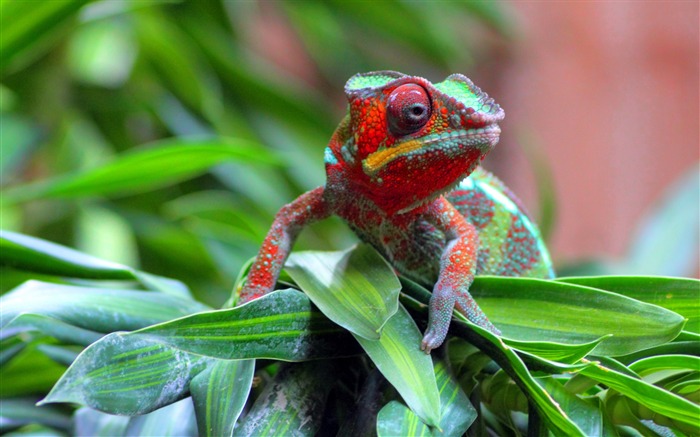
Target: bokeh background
601, 137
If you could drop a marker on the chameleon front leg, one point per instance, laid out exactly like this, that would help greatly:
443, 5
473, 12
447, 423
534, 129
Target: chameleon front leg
289, 221
457, 269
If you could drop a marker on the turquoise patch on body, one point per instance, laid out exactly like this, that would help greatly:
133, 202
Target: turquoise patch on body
329, 157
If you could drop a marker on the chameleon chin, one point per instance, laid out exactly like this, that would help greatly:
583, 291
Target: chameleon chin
402, 170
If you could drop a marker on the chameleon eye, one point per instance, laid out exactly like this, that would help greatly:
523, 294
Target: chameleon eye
408, 109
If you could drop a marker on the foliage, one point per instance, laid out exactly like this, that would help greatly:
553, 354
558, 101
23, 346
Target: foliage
151, 137
150, 344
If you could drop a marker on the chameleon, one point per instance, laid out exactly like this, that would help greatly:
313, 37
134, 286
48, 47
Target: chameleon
402, 170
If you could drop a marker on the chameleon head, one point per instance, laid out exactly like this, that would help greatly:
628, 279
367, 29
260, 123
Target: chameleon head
409, 141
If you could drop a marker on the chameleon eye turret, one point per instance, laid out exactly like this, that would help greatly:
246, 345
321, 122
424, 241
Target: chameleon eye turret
396, 168
408, 109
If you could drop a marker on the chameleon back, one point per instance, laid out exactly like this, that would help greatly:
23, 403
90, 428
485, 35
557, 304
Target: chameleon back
510, 243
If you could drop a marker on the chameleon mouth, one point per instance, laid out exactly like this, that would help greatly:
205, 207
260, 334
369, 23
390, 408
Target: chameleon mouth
451, 143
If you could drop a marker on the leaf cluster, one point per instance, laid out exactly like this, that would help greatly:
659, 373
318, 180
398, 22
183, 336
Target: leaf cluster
343, 356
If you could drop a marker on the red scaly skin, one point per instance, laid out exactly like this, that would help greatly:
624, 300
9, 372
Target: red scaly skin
404, 143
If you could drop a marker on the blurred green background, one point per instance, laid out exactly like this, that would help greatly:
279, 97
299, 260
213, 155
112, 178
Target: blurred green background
156, 87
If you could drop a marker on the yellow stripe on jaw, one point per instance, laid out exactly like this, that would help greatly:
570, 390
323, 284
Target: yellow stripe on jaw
375, 161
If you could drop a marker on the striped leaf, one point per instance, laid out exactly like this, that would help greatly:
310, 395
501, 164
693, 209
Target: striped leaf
219, 394
505, 356
680, 295
396, 419
398, 356
456, 411
656, 399
282, 325
564, 353
292, 404
127, 375
356, 288
583, 412
535, 309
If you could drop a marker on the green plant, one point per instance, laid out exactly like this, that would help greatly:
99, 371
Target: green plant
147, 344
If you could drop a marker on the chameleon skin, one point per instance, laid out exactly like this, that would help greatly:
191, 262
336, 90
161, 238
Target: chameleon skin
402, 171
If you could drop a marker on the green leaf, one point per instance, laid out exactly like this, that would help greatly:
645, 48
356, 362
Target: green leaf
395, 419
30, 372
175, 420
456, 411
398, 356
292, 404
161, 164
95, 309
219, 394
674, 348
127, 375
565, 353
588, 417
48, 325
35, 255
18, 412
29, 28
356, 288
503, 355
251, 84
681, 295
281, 325
658, 400
98, 424
535, 363
664, 362
177, 64
534, 309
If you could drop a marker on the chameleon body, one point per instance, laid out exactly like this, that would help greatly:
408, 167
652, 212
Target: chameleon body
402, 171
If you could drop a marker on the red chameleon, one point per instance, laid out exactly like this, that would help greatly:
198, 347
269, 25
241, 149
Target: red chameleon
402, 171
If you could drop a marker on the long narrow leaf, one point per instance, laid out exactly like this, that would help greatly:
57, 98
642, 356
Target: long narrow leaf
175, 420
398, 356
219, 394
96, 309
35, 255
534, 309
28, 26
505, 356
356, 288
292, 404
681, 295
658, 400
282, 325
396, 419
168, 162
127, 375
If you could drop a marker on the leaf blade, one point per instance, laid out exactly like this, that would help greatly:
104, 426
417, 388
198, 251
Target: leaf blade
398, 356
356, 288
